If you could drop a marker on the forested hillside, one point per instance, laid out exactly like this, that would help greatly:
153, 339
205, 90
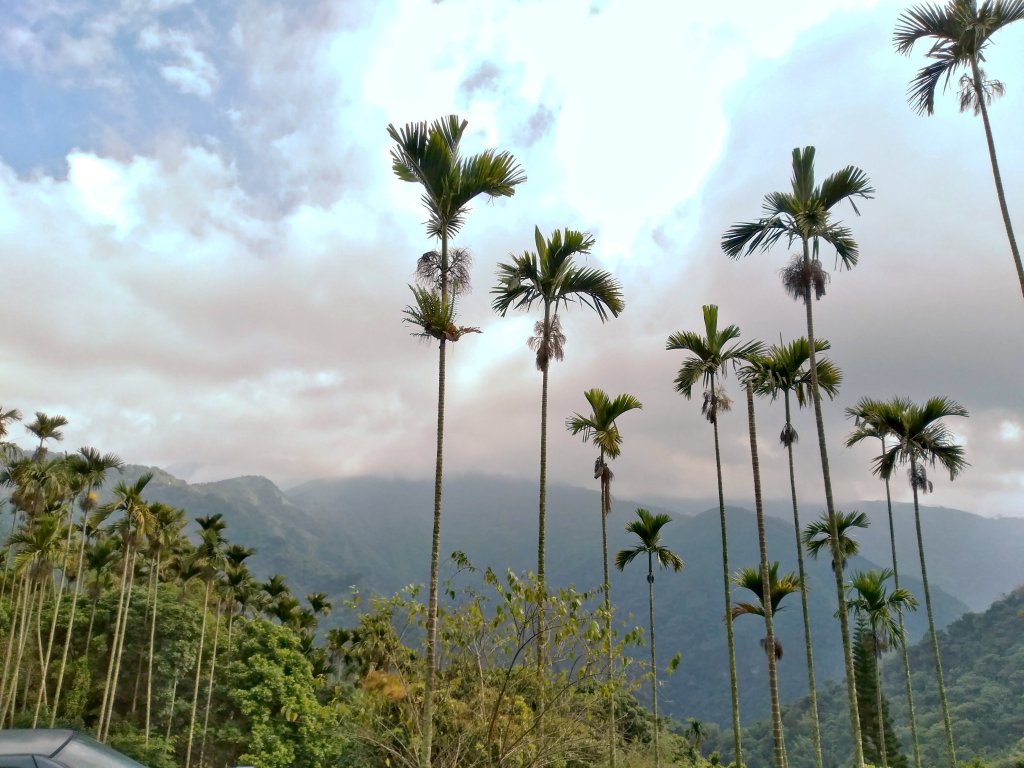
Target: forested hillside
983, 662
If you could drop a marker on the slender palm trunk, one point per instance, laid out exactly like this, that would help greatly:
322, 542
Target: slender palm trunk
71, 626
209, 685
170, 709
427, 725
654, 663
606, 508
152, 645
10, 699
766, 599
199, 673
903, 646
878, 705
733, 684
844, 623
113, 645
947, 725
44, 662
120, 647
542, 542
808, 646
20, 596
996, 175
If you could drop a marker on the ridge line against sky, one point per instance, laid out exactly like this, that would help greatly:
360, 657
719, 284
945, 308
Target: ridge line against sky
207, 255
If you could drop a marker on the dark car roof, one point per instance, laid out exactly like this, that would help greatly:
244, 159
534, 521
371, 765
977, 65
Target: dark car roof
34, 741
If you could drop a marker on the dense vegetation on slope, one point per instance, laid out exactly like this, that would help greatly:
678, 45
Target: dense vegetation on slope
983, 657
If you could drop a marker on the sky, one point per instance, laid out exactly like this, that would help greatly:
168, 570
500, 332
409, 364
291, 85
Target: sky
206, 254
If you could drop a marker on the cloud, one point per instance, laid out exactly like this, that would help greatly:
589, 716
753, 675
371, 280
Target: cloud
227, 296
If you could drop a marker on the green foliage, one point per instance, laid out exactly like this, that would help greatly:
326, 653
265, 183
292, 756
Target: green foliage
272, 702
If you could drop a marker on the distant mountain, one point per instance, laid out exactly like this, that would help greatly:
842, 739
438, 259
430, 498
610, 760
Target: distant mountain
373, 533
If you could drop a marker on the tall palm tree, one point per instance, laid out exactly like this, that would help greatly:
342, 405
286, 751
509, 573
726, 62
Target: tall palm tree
166, 523
868, 424
710, 357
131, 524
648, 529
804, 215
784, 369
762, 544
883, 611
960, 31
429, 155
90, 469
601, 429
551, 278
921, 439
210, 555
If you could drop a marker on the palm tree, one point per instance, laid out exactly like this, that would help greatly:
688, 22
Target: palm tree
90, 469
6, 417
710, 357
210, 554
868, 424
429, 155
551, 278
804, 215
769, 624
783, 369
166, 523
648, 529
921, 439
884, 614
46, 428
132, 523
960, 31
601, 428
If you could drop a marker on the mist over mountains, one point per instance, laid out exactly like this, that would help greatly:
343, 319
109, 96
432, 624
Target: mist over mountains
372, 534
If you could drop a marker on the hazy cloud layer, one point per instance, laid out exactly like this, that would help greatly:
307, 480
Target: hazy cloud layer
210, 273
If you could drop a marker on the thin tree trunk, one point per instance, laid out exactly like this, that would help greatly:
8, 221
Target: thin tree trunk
946, 724
654, 664
903, 646
113, 643
541, 547
199, 672
20, 597
427, 725
152, 645
808, 646
170, 710
766, 589
605, 511
996, 175
209, 686
11, 702
120, 647
878, 704
45, 660
71, 627
844, 623
733, 684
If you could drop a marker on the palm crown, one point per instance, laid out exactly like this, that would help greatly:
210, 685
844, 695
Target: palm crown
429, 154
919, 437
550, 277
600, 427
647, 528
960, 31
710, 354
804, 213
870, 597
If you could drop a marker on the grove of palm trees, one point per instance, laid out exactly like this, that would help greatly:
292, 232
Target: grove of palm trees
144, 624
